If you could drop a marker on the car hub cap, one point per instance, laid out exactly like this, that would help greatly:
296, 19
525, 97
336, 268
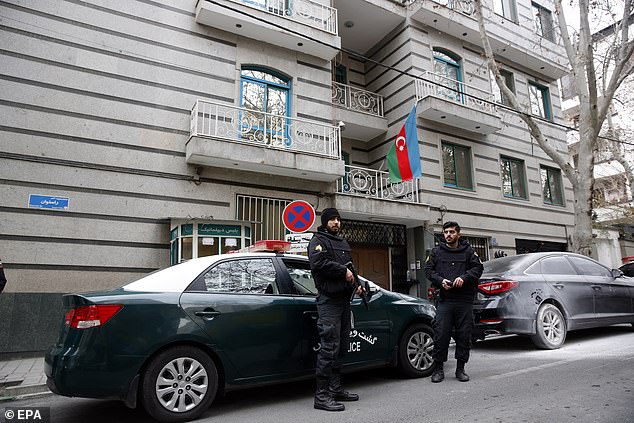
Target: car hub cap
419, 350
181, 385
553, 327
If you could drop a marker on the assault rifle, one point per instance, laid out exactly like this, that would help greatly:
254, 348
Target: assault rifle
357, 284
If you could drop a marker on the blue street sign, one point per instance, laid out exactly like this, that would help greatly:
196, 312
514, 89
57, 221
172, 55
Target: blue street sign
48, 202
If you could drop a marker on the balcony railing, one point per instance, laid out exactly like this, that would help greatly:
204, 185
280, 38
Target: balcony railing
462, 6
357, 99
449, 89
306, 12
243, 125
370, 183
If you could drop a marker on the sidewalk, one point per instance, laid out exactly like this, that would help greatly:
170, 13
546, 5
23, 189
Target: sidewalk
22, 378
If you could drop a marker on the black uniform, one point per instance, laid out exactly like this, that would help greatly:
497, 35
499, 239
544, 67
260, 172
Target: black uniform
3, 279
328, 255
455, 306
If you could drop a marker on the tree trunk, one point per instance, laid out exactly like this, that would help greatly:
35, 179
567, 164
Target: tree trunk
581, 239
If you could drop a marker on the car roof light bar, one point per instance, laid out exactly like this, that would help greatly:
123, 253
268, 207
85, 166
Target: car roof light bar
268, 245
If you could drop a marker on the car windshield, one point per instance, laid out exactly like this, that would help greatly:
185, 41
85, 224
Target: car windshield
502, 264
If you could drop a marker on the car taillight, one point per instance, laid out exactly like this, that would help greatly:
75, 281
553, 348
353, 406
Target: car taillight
91, 316
497, 287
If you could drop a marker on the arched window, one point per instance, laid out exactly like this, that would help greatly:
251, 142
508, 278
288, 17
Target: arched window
264, 98
448, 74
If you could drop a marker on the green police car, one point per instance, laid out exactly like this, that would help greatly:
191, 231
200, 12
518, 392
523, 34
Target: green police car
176, 337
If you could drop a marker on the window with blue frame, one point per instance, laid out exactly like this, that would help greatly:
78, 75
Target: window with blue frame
456, 162
552, 189
539, 97
264, 100
448, 74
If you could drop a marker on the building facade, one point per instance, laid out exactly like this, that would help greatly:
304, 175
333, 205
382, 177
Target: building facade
138, 134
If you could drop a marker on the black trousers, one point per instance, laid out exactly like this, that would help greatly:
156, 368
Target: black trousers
455, 319
333, 326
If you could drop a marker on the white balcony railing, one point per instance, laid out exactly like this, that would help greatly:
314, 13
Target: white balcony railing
307, 12
371, 183
465, 7
242, 125
440, 86
357, 99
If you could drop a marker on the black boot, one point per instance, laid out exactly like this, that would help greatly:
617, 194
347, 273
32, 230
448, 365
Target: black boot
323, 399
337, 391
460, 373
439, 373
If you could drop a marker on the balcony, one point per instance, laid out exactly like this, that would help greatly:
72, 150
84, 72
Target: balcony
233, 137
454, 103
279, 22
389, 202
515, 42
360, 110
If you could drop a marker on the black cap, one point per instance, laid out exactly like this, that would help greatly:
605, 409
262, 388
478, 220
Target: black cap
328, 214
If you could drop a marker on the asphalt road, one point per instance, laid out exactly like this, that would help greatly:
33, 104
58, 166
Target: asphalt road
590, 379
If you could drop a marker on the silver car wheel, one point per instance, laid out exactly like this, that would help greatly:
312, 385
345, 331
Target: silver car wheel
419, 349
553, 326
181, 384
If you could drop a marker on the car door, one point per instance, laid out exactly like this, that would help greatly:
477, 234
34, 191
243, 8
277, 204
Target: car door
369, 336
612, 301
572, 290
251, 325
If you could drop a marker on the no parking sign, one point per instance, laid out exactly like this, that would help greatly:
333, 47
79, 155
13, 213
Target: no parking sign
298, 216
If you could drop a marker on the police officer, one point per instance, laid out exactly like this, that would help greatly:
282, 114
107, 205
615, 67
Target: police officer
328, 254
454, 268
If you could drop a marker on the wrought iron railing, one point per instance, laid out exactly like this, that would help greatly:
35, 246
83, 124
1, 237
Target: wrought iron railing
243, 125
462, 6
307, 12
371, 183
436, 85
357, 99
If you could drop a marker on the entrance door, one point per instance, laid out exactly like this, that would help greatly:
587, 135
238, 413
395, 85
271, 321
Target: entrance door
373, 263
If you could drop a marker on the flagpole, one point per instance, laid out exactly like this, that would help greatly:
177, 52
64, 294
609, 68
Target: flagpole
381, 167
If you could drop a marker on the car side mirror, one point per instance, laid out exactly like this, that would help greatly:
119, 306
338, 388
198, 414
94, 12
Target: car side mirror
617, 273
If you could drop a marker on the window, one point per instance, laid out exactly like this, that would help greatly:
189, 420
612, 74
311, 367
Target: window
341, 74
513, 178
264, 100
543, 22
589, 268
265, 215
247, 276
552, 266
301, 277
551, 185
193, 240
456, 161
506, 8
447, 74
540, 100
509, 81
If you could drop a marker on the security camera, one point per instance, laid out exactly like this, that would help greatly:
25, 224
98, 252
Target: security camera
342, 125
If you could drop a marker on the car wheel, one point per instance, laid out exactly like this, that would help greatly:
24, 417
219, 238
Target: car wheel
179, 384
414, 351
551, 328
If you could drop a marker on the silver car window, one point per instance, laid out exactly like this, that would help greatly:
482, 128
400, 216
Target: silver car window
245, 276
556, 266
590, 268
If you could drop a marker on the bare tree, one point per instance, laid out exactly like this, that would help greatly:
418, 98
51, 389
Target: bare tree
593, 108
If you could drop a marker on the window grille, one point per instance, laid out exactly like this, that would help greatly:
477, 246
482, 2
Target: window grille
265, 215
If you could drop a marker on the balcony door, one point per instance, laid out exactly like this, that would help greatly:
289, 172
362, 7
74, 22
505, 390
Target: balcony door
448, 74
264, 102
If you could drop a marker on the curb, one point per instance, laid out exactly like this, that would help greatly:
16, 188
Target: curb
23, 391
